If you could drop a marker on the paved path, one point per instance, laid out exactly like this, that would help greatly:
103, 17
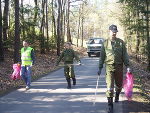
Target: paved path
49, 94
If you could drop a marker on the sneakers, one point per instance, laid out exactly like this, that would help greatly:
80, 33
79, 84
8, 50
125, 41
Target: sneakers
69, 83
110, 104
117, 97
74, 81
68, 87
27, 87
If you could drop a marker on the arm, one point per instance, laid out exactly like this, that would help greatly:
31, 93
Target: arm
33, 56
102, 57
76, 56
60, 58
125, 56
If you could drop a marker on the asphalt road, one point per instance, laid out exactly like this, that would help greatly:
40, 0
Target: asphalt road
50, 95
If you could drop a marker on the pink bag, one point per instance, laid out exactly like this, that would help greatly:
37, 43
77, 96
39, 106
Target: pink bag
16, 74
128, 86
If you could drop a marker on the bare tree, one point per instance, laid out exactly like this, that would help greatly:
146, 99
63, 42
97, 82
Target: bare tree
42, 38
147, 30
1, 42
5, 21
58, 27
17, 33
47, 36
68, 23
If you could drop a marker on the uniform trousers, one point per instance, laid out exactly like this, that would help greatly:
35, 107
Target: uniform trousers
114, 77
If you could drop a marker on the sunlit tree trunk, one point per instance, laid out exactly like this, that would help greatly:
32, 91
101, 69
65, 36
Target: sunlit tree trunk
59, 27
147, 30
137, 32
82, 30
79, 27
68, 24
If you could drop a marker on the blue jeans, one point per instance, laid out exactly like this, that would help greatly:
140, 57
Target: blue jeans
26, 74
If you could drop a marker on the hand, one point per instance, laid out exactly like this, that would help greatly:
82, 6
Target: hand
79, 62
56, 64
128, 70
99, 72
33, 63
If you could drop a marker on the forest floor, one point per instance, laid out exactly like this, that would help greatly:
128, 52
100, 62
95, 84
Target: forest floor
45, 63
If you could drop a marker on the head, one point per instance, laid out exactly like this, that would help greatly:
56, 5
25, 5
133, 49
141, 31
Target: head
113, 31
25, 43
67, 45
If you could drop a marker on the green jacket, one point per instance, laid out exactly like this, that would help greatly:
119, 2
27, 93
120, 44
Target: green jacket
113, 53
68, 55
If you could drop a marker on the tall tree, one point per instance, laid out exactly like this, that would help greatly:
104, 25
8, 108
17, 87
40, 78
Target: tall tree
147, 3
79, 22
17, 33
68, 22
54, 35
1, 42
47, 28
42, 38
5, 22
59, 27
22, 19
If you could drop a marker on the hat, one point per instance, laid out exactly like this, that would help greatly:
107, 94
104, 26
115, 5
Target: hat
113, 28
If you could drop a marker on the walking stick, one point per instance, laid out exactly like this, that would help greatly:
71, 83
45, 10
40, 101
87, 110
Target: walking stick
96, 90
70, 65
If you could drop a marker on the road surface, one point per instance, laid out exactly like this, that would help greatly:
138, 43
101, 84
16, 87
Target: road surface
50, 95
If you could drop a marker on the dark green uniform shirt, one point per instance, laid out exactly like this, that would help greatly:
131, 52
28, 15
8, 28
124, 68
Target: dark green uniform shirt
68, 55
113, 52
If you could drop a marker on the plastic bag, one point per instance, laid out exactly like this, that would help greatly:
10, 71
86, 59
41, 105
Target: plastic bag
16, 74
128, 86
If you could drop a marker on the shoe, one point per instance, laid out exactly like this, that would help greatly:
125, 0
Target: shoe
117, 97
110, 105
74, 81
110, 108
69, 83
68, 87
27, 87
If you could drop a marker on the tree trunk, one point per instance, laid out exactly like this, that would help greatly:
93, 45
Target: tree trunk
82, 31
53, 23
147, 29
63, 20
1, 41
137, 33
5, 23
17, 33
59, 27
68, 25
22, 19
78, 27
42, 39
35, 18
47, 45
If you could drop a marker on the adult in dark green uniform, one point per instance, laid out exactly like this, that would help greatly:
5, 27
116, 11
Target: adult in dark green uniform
114, 55
68, 56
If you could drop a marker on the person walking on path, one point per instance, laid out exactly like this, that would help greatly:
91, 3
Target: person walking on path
68, 56
27, 60
114, 55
